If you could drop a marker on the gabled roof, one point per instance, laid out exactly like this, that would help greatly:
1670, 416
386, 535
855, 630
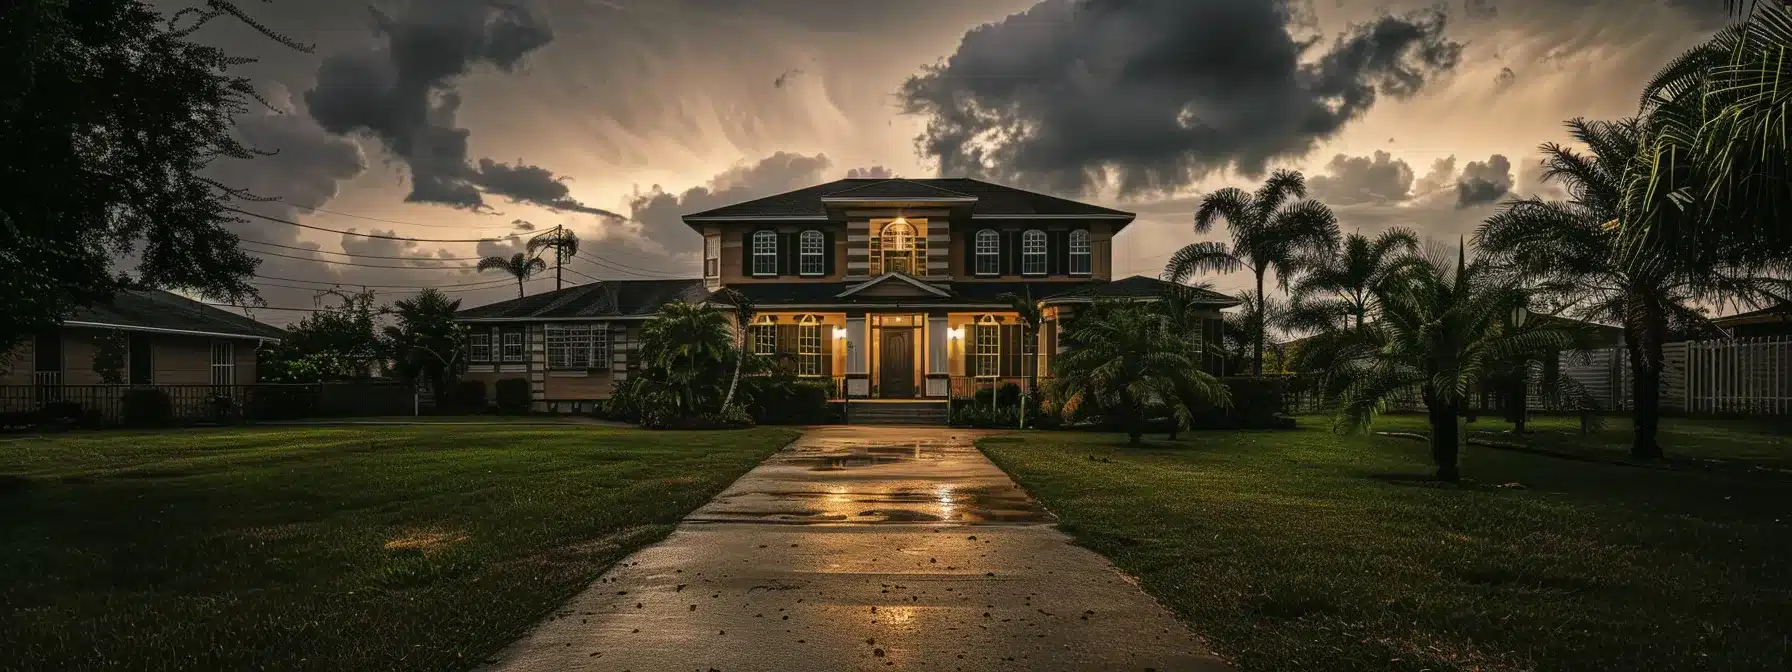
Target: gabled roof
894, 277
154, 310
768, 295
608, 299
1139, 287
1768, 315
992, 200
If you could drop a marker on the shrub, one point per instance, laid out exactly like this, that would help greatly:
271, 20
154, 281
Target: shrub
281, 402
148, 407
513, 396
1256, 404
63, 410
464, 396
784, 399
980, 416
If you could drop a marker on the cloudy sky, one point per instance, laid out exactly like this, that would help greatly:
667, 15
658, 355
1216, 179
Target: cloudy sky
456, 120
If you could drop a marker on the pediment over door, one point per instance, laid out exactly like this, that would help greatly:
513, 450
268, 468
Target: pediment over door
895, 285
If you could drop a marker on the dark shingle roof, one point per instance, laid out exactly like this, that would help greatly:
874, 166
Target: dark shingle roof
156, 309
612, 298
813, 293
1141, 287
992, 199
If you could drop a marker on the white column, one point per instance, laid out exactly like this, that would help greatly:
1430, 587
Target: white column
855, 346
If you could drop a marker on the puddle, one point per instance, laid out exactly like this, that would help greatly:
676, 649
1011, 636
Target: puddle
901, 516
867, 456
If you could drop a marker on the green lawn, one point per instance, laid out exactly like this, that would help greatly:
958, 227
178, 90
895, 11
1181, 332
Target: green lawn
1748, 441
1305, 550
338, 548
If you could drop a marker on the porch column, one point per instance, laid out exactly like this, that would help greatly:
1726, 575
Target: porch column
939, 382
858, 381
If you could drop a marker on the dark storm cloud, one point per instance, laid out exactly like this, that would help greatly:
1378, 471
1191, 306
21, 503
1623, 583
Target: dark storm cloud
1154, 94
1350, 180
1484, 182
660, 213
873, 172
403, 92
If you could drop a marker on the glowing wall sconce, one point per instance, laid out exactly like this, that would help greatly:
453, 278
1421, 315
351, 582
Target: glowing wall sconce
839, 332
955, 334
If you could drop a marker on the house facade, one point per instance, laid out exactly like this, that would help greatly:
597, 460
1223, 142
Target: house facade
888, 288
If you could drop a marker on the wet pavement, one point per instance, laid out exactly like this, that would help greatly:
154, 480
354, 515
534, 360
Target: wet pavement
861, 548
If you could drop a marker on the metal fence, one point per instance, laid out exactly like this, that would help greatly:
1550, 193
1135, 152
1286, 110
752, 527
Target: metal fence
1742, 376
109, 405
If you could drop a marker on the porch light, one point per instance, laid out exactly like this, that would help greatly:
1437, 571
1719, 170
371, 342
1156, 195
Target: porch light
839, 332
955, 334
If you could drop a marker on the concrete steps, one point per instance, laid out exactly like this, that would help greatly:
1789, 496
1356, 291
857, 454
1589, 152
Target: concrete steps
881, 412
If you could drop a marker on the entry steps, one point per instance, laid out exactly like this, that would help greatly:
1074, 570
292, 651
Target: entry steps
896, 412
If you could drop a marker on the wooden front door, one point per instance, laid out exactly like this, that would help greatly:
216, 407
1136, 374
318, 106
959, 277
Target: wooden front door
896, 369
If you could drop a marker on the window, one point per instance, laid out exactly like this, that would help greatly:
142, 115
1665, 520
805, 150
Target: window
989, 347
989, 245
808, 347
1079, 252
223, 363
712, 256
812, 245
513, 346
479, 348
765, 253
897, 247
1032, 252
765, 339
578, 346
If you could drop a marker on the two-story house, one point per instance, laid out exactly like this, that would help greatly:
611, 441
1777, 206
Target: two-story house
891, 288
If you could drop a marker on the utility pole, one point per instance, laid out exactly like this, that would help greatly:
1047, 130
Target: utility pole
558, 257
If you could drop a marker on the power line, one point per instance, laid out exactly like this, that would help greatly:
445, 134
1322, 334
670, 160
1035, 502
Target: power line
582, 275
372, 235
355, 254
619, 266
351, 263
485, 283
374, 219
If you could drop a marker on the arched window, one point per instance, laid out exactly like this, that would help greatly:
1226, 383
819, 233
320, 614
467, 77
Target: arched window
989, 249
808, 346
765, 336
1079, 252
813, 246
898, 243
1032, 252
765, 253
989, 347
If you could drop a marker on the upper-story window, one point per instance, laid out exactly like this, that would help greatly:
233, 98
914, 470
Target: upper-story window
765, 253
897, 243
989, 248
1079, 252
712, 256
1032, 252
812, 245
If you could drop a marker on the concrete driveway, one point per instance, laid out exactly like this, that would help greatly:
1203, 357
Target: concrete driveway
861, 548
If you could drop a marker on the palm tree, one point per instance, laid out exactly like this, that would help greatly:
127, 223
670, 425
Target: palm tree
1438, 327
1032, 318
1577, 261
1339, 287
426, 343
1127, 357
688, 342
1268, 233
520, 265
1249, 326
562, 241
743, 311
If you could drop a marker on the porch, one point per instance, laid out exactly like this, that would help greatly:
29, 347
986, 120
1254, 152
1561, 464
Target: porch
908, 355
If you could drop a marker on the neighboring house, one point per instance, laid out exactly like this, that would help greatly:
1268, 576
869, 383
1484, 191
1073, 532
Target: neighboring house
887, 287
1766, 322
169, 340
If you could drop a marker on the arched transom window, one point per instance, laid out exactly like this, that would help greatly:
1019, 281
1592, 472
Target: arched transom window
897, 241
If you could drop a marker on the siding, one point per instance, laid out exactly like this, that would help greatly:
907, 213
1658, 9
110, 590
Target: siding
177, 359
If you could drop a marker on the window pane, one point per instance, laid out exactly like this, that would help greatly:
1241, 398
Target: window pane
223, 363
479, 347
765, 339
989, 349
765, 253
813, 256
712, 256
988, 247
1079, 251
808, 349
513, 346
1032, 251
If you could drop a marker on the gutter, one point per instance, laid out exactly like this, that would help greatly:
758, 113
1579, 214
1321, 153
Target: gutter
162, 330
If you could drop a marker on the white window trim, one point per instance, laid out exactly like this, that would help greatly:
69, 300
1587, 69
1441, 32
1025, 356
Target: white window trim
765, 339
712, 257
993, 357
225, 366
808, 347
768, 251
1034, 261
818, 257
479, 348
522, 351
578, 346
994, 253
1083, 255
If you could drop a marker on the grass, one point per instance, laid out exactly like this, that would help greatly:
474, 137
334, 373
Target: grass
1304, 550
341, 548
1760, 442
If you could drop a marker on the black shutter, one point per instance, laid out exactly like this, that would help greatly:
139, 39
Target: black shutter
970, 254
746, 252
1011, 253
827, 351
828, 252
1010, 348
1061, 252
1051, 347
970, 349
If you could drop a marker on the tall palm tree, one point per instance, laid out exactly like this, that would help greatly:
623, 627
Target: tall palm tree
1340, 287
1579, 262
1249, 326
426, 343
743, 311
1032, 319
687, 341
1438, 328
1127, 357
1272, 230
520, 265
562, 241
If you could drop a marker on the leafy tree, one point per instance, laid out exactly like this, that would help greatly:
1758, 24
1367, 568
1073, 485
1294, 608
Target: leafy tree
1270, 232
112, 112
743, 311
690, 345
562, 241
521, 266
1438, 328
339, 343
1336, 289
1580, 263
426, 344
1032, 318
1127, 357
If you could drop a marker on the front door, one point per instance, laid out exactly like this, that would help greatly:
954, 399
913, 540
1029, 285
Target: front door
896, 371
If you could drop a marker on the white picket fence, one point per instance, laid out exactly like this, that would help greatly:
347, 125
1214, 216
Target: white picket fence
1743, 376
